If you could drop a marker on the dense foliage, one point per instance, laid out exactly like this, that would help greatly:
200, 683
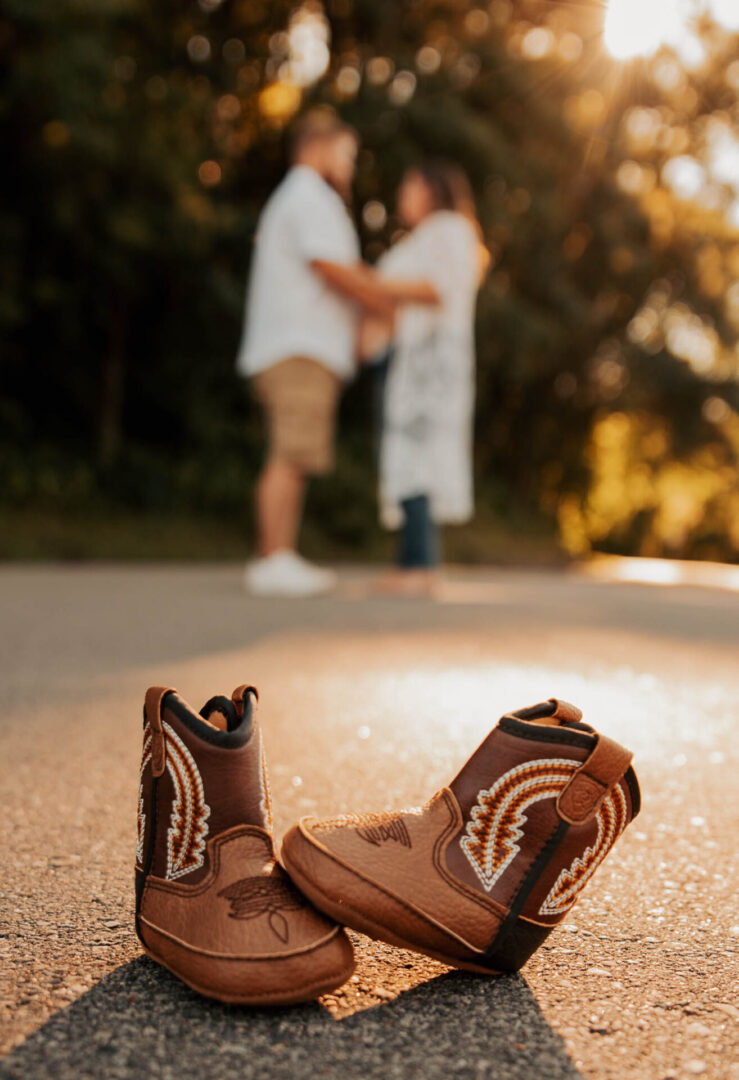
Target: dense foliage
141, 141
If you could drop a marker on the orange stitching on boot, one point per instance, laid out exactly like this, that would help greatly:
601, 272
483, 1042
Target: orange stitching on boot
265, 801
611, 823
374, 828
188, 821
497, 820
141, 817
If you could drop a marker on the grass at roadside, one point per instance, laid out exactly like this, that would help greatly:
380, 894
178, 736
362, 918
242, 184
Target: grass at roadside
52, 535
48, 535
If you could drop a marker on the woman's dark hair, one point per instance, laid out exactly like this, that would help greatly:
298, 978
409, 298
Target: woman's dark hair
448, 184
451, 190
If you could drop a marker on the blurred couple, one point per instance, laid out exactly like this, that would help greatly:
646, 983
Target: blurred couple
315, 311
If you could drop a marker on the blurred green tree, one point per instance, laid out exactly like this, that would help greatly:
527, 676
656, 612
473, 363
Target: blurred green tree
146, 140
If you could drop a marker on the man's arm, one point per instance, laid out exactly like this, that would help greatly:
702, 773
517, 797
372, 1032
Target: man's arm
360, 283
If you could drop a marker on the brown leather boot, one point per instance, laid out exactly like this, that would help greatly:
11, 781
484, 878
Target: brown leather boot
212, 904
478, 876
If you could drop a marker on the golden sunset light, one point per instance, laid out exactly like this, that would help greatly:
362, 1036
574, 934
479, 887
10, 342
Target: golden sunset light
633, 28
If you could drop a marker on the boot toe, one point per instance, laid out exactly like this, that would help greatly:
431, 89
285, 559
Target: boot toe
284, 979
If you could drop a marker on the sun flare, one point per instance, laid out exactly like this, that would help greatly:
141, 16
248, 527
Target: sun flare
638, 28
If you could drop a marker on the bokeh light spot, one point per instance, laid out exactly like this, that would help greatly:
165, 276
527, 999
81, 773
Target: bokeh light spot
209, 173
156, 88
476, 22
725, 12
279, 100
402, 88
374, 215
234, 51
198, 48
684, 175
569, 47
55, 133
308, 45
228, 107
537, 43
428, 60
379, 70
715, 410
124, 68
348, 80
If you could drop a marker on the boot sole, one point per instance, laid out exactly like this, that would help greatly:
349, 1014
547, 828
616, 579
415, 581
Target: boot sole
323, 866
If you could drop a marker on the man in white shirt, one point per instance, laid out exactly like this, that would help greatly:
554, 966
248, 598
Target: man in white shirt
308, 287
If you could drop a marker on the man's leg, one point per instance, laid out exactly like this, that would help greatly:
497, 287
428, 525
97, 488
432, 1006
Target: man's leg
279, 496
299, 398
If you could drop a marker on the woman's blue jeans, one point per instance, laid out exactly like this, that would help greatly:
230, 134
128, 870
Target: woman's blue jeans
419, 536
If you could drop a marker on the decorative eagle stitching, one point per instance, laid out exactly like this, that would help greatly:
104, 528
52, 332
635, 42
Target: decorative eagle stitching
386, 830
611, 823
141, 822
188, 823
496, 821
254, 896
265, 801
375, 829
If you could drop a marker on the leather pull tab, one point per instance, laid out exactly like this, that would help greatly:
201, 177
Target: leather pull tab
589, 785
564, 711
153, 713
240, 693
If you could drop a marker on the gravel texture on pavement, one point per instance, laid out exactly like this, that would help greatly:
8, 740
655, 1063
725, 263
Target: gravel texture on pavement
369, 704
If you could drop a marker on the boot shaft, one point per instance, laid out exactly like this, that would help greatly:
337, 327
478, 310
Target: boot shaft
479, 875
543, 800
201, 774
213, 905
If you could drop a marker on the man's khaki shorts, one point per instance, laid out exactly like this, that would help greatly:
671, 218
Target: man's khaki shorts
299, 397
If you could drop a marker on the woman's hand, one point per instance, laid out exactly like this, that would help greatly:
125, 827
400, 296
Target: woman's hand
374, 336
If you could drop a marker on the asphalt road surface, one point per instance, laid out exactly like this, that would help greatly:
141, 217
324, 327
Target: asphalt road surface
369, 704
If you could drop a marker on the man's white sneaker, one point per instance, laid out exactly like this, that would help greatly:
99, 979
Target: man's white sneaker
285, 573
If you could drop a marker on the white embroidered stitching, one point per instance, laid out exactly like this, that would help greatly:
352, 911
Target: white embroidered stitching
265, 802
141, 817
497, 819
562, 896
188, 827
186, 832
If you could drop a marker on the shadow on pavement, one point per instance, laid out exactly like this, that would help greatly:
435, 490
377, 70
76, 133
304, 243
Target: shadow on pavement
139, 1022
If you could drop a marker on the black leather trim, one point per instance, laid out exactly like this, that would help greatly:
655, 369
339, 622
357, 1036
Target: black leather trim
514, 943
141, 875
634, 791
220, 703
562, 735
226, 739
522, 940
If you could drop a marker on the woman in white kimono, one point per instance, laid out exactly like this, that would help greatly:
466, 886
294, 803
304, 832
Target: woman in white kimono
428, 400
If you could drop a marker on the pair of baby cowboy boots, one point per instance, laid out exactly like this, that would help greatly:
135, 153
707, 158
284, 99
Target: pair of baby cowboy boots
476, 878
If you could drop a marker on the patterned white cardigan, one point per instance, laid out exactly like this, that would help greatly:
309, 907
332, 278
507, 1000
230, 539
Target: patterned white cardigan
426, 445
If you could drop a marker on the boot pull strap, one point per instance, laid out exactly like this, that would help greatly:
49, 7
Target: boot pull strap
569, 714
153, 716
607, 763
239, 695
